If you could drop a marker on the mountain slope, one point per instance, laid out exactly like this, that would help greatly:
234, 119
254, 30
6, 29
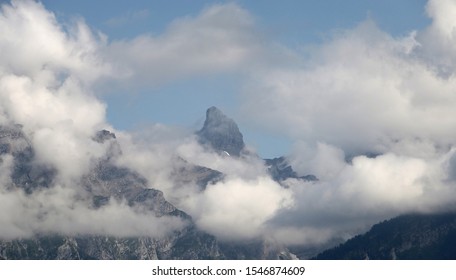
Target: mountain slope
103, 183
415, 236
106, 182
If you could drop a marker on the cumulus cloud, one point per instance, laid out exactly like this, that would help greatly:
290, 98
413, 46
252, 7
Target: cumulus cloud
373, 117
45, 76
365, 191
34, 44
364, 91
237, 209
220, 38
47, 73
438, 39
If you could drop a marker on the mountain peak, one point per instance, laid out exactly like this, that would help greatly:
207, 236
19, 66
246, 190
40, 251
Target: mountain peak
221, 133
214, 112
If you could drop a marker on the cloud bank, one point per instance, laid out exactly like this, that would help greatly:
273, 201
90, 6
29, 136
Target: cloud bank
373, 117
46, 77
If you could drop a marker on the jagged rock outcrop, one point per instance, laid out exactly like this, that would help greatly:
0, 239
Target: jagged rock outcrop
221, 133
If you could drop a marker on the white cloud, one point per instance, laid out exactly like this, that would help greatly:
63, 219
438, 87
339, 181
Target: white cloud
34, 44
364, 92
364, 192
238, 209
437, 41
47, 88
246, 166
46, 76
152, 153
323, 161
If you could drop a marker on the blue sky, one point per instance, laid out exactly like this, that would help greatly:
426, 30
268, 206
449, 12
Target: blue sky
294, 25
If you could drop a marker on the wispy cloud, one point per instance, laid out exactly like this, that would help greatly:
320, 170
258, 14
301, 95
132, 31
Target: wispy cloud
219, 39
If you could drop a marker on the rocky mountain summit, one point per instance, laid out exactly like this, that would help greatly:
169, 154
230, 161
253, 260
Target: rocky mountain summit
221, 133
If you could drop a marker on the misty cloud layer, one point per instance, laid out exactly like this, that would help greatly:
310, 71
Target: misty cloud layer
46, 74
365, 92
371, 115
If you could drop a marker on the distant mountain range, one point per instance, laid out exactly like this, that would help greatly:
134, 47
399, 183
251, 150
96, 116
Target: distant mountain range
107, 181
405, 237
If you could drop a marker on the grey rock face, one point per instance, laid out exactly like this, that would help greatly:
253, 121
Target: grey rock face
186, 244
221, 133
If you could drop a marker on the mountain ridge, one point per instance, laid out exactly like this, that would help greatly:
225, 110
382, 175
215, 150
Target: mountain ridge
412, 236
107, 181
